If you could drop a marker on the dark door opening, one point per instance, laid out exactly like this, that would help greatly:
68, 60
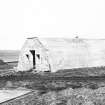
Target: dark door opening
34, 60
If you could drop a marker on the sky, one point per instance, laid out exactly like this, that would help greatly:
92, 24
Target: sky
20, 19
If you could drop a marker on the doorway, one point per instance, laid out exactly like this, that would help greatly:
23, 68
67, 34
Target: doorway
34, 59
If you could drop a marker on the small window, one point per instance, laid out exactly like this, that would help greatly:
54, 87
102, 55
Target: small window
27, 56
38, 55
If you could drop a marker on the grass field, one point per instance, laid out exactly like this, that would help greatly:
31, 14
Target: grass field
61, 88
82, 86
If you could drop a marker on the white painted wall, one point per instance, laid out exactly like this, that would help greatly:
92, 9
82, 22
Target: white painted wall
64, 53
25, 64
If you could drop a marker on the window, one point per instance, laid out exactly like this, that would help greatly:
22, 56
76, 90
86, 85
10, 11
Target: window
38, 55
27, 56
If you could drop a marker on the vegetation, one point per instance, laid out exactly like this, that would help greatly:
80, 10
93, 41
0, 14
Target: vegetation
69, 96
82, 86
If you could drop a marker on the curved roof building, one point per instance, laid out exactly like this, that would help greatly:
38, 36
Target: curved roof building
44, 54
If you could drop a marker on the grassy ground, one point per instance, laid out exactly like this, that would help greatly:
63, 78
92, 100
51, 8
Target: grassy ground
67, 87
69, 96
53, 82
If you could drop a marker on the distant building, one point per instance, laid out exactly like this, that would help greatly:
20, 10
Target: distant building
52, 54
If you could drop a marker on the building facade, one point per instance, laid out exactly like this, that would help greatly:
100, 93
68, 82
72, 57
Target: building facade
53, 54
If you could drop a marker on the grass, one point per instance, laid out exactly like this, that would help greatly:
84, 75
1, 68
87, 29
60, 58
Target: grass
82, 86
81, 96
69, 87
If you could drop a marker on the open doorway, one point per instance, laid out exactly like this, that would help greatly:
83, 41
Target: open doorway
34, 60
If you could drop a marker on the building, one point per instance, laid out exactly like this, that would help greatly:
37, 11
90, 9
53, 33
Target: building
53, 54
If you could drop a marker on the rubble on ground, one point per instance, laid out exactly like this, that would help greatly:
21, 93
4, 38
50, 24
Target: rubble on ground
80, 96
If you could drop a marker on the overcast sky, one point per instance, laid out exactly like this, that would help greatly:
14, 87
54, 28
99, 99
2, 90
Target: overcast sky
20, 19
